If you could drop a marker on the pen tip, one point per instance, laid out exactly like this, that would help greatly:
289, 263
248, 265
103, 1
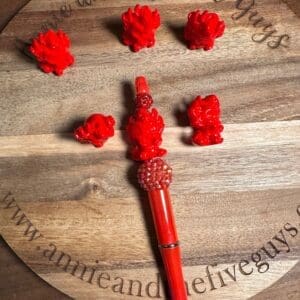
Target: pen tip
141, 85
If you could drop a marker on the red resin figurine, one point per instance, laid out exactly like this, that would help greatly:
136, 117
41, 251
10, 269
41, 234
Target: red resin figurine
51, 50
145, 126
155, 176
202, 29
139, 26
96, 130
204, 117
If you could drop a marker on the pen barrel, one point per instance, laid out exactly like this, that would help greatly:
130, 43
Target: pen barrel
172, 263
165, 227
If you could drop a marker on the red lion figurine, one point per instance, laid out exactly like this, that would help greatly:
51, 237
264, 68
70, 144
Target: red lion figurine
144, 130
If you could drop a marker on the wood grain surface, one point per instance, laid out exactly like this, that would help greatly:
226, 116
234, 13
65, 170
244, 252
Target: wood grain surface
231, 201
8, 9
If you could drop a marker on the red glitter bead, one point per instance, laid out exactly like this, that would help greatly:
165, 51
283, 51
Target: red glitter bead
96, 130
154, 174
51, 51
202, 29
204, 116
143, 100
139, 26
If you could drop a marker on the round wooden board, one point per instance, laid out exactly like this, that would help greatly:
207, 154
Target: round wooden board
76, 215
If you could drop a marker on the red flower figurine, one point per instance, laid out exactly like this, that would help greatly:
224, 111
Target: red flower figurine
204, 117
96, 130
139, 26
51, 50
202, 29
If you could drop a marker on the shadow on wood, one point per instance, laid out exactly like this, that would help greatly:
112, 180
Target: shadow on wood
180, 114
23, 50
66, 132
177, 31
115, 27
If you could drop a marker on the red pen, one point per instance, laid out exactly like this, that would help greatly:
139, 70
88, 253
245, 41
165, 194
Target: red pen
155, 176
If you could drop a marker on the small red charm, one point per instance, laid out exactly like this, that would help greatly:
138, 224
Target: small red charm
96, 130
51, 50
139, 26
145, 126
202, 29
204, 117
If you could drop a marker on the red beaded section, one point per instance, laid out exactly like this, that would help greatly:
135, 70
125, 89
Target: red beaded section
145, 126
154, 174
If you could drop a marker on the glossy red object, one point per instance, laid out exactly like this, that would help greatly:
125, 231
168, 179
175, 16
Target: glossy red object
204, 117
51, 50
145, 126
96, 130
139, 25
155, 176
202, 29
